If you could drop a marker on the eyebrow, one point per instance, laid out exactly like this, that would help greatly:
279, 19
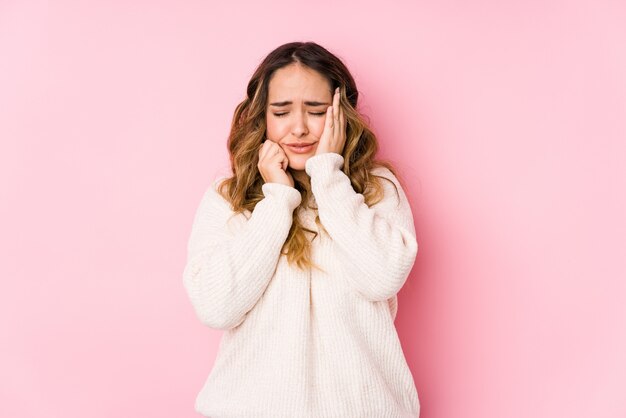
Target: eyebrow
308, 103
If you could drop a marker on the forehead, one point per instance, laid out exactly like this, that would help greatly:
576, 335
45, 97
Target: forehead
296, 80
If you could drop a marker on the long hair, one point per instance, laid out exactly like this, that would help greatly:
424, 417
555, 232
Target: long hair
243, 188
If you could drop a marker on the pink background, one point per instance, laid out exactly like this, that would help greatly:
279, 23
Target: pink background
508, 119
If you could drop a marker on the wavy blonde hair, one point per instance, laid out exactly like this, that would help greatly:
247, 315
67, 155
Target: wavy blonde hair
243, 188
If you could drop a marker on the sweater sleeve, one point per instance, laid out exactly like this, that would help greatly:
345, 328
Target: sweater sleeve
377, 244
228, 269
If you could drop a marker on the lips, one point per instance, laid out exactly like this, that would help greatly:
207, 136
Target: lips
301, 147
301, 144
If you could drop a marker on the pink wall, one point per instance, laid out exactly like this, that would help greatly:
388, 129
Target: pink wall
507, 118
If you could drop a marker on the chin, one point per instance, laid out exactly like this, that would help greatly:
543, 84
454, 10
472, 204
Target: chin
296, 166
298, 162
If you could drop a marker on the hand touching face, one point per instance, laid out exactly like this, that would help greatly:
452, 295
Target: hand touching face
333, 137
273, 163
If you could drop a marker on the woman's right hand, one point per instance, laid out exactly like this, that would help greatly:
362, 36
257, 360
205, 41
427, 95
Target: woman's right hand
273, 164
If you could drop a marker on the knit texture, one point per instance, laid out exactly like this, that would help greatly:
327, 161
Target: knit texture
302, 344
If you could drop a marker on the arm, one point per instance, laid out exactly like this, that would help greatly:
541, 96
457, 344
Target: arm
227, 272
377, 244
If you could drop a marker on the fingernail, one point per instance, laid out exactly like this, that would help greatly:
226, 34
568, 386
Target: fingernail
337, 90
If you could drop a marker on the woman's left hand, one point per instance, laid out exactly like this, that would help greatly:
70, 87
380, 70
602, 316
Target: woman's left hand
334, 135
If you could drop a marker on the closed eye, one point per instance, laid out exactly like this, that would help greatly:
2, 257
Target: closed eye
312, 113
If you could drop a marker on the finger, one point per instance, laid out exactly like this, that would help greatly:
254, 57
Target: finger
285, 163
329, 118
275, 149
342, 121
276, 154
337, 123
263, 149
336, 108
268, 146
336, 116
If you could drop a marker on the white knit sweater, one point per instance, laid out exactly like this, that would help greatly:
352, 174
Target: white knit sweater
304, 344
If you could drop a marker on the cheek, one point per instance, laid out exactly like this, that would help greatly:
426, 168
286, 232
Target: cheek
317, 126
275, 128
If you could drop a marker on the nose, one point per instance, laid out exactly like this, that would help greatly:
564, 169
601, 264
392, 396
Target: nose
299, 126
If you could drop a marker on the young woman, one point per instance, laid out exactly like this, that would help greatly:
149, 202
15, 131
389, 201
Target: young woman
299, 255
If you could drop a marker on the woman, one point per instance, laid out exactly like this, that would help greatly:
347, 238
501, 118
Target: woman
299, 255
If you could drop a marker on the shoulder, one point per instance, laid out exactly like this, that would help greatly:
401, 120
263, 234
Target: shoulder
382, 171
394, 174
393, 187
217, 182
212, 198
386, 178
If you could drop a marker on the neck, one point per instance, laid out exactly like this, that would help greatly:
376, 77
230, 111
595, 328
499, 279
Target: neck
300, 175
